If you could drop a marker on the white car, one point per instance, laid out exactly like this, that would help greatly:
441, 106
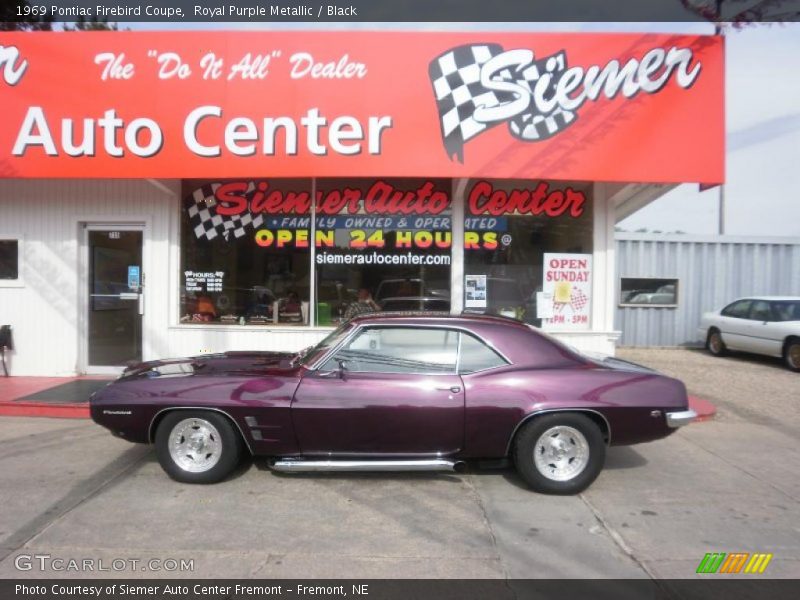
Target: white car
767, 325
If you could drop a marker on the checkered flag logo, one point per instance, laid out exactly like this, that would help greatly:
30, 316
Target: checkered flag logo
201, 206
578, 299
461, 97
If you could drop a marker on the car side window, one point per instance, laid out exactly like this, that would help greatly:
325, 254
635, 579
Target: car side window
477, 356
399, 350
738, 310
786, 311
761, 311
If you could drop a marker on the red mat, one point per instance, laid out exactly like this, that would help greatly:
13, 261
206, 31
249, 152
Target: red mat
12, 388
704, 409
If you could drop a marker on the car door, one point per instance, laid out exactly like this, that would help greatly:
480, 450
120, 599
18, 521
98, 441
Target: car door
388, 390
734, 324
763, 337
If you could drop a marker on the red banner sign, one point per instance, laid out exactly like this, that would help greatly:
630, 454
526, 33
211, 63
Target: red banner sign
605, 107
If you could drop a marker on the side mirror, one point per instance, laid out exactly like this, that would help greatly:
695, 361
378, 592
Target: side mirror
342, 367
338, 373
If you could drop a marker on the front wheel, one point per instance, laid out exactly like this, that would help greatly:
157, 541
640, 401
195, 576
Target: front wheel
714, 343
197, 446
560, 453
791, 355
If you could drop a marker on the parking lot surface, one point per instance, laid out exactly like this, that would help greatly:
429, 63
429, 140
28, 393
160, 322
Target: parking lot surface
70, 490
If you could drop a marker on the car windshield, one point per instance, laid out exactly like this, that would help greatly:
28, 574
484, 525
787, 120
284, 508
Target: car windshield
786, 310
311, 353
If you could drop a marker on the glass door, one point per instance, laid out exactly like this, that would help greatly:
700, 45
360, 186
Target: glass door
115, 300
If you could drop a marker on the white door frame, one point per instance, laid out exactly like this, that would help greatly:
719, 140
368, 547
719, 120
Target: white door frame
83, 289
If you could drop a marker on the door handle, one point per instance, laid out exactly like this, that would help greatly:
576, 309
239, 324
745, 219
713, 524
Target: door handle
453, 390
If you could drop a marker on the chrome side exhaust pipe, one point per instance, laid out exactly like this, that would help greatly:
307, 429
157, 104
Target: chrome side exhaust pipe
299, 465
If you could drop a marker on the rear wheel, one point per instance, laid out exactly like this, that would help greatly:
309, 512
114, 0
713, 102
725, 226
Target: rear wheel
197, 446
714, 343
560, 453
791, 354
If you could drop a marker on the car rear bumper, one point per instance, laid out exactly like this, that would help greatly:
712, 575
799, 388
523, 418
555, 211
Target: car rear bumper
681, 418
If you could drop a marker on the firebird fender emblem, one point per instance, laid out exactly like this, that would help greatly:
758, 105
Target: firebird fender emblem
117, 412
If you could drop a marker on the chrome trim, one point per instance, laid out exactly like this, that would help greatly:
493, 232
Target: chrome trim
459, 328
681, 418
150, 431
530, 416
294, 465
458, 352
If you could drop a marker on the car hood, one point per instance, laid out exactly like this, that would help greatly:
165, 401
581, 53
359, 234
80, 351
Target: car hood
226, 363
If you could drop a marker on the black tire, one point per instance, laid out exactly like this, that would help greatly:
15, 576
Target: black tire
527, 440
791, 354
222, 437
714, 343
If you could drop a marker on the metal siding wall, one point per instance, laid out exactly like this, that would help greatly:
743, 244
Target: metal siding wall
711, 273
44, 312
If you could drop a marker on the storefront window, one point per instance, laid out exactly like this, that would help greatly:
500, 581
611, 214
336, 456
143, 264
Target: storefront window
385, 246
648, 291
9, 260
529, 242
245, 255
381, 245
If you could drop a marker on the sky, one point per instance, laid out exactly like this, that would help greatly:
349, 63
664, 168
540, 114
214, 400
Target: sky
762, 118
762, 121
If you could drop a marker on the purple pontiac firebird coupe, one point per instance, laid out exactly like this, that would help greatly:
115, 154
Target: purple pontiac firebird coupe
397, 393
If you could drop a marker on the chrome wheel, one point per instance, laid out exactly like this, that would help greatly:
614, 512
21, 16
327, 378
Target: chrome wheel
561, 453
715, 343
195, 445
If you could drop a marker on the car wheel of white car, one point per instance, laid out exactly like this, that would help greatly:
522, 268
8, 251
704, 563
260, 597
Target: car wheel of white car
714, 343
791, 354
197, 446
560, 453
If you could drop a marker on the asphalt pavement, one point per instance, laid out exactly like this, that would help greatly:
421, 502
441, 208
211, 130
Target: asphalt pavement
69, 490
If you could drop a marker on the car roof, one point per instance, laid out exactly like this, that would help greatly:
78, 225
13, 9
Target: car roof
769, 298
522, 345
437, 318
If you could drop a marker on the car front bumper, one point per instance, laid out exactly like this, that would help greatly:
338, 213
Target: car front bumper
679, 419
